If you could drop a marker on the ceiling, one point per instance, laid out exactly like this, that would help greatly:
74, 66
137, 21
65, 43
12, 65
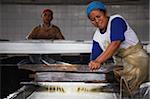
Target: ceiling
72, 2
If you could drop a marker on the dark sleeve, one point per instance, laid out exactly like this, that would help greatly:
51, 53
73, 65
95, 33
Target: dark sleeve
118, 28
96, 50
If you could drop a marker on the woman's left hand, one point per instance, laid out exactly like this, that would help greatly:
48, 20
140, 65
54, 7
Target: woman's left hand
94, 65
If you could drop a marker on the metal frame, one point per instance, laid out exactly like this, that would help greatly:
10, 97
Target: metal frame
45, 47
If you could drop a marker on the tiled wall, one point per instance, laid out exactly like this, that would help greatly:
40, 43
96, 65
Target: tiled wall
18, 20
0, 21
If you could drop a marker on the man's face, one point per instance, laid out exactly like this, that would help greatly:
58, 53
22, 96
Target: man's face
98, 19
47, 17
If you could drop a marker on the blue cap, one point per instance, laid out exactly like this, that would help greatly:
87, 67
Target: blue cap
95, 5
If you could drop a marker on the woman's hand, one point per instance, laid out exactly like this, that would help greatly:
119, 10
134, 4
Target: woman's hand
94, 65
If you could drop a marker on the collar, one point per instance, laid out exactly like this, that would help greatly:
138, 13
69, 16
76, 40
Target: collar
42, 25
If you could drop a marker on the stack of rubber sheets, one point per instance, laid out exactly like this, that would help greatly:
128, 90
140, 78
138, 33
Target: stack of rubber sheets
69, 72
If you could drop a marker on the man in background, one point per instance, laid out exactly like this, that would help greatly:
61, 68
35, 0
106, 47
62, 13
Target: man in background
46, 30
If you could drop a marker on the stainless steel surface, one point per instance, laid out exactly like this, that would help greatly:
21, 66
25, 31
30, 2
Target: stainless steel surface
61, 76
47, 95
48, 47
23, 92
65, 90
74, 90
45, 47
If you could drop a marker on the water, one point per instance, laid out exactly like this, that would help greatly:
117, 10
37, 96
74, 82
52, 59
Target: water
70, 95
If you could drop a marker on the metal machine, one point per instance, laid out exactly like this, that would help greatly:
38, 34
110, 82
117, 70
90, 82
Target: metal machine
65, 81
60, 79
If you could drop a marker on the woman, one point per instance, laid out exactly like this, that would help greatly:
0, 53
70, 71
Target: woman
115, 38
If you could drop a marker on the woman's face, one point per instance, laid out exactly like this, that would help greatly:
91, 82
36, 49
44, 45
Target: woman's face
99, 19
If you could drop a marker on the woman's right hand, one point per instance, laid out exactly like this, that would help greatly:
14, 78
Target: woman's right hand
94, 65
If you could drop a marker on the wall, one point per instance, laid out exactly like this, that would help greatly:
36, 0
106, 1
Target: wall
18, 20
0, 15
